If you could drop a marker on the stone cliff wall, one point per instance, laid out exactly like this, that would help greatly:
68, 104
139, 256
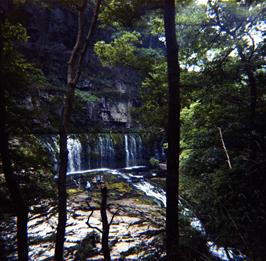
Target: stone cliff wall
110, 93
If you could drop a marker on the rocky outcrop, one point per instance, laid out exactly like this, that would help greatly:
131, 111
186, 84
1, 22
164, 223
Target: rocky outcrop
52, 31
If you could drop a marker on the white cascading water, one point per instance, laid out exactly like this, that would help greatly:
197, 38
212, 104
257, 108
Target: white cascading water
160, 196
74, 154
100, 151
105, 151
133, 149
108, 150
127, 151
51, 144
133, 152
151, 191
100, 156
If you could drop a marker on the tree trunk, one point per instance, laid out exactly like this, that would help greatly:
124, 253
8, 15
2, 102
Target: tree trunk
253, 105
19, 205
62, 198
173, 133
106, 226
253, 96
73, 73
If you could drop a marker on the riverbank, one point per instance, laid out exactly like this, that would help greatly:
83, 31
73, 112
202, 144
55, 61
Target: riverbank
133, 233
137, 230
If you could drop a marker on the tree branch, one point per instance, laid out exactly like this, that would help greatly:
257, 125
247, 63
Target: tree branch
90, 226
224, 147
88, 37
111, 221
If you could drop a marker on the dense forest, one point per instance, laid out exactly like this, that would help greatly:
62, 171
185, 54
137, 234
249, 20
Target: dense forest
132, 130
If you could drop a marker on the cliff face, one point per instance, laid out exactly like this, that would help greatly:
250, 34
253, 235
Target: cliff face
105, 95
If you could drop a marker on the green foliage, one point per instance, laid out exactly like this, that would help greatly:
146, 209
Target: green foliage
154, 96
33, 170
13, 32
14, 67
121, 50
217, 46
117, 138
154, 162
120, 187
215, 93
125, 50
19, 78
220, 195
86, 96
157, 25
125, 13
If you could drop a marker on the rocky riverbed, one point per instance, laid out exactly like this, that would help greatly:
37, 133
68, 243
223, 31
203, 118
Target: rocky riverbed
137, 230
134, 233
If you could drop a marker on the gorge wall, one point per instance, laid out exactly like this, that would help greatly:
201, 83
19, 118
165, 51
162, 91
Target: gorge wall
105, 96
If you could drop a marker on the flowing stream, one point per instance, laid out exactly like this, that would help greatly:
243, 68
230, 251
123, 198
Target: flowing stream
101, 159
132, 175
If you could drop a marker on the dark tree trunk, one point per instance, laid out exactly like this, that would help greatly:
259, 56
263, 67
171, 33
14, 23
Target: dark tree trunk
73, 74
62, 195
253, 96
105, 224
62, 198
19, 205
253, 105
22, 234
173, 132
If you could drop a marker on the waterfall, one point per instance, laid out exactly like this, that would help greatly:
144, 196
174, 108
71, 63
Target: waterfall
133, 149
51, 145
105, 151
100, 151
97, 155
127, 151
74, 154
139, 148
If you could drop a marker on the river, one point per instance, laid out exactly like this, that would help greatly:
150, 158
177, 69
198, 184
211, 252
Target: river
101, 159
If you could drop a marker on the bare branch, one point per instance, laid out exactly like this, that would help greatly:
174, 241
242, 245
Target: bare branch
252, 46
90, 226
224, 147
88, 37
111, 221
81, 27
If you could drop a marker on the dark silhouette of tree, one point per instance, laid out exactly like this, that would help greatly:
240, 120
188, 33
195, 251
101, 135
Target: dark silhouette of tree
73, 74
19, 204
173, 132
105, 224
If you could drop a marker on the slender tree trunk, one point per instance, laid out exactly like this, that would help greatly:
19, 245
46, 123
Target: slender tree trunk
173, 133
253, 96
20, 207
106, 226
73, 74
19, 204
253, 106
